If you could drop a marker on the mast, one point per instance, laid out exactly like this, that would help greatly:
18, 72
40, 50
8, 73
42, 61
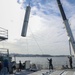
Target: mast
67, 25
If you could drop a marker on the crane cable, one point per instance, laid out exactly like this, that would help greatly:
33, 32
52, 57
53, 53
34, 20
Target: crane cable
36, 41
27, 45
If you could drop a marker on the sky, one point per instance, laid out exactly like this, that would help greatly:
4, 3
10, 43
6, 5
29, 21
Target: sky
46, 32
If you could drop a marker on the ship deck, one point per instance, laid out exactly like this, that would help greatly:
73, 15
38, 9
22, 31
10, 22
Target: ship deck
47, 72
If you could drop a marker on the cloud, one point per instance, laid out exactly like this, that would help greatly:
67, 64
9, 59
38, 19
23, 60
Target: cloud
46, 33
67, 5
51, 26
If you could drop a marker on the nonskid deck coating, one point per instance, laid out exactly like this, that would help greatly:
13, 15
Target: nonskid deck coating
46, 72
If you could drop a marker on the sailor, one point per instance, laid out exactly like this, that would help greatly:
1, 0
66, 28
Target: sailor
50, 63
20, 65
5, 63
0, 65
70, 61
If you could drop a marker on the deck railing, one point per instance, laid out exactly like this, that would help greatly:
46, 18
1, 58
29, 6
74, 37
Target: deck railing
3, 34
4, 51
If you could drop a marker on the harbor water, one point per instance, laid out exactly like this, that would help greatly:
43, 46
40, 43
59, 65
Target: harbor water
43, 62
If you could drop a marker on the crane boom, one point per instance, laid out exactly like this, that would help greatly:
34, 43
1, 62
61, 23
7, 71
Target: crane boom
67, 25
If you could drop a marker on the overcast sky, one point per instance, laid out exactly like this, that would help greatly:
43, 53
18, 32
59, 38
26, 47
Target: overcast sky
46, 32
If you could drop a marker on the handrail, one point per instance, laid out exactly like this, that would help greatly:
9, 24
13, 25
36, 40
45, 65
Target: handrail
3, 51
3, 33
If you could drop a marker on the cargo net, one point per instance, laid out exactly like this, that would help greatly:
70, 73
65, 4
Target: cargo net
3, 34
4, 52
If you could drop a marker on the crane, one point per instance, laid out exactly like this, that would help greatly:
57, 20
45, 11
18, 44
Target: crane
67, 25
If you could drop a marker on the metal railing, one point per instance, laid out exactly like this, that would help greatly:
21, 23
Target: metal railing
3, 33
4, 51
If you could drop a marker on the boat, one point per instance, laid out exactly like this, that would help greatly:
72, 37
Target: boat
33, 70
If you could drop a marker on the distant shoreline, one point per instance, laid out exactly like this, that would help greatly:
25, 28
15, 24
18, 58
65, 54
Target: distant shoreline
36, 55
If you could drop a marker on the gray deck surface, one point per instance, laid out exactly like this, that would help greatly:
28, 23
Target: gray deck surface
47, 72
39, 72
57, 72
69, 73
